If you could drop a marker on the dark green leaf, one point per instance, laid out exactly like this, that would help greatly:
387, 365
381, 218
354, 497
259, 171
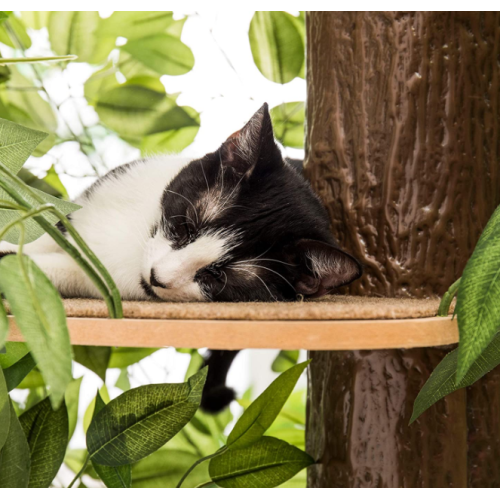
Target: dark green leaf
40, 316
121, 357
47, 433
15, 457
123, 381
478, 298
72, 397
141, 420
15, 351
266, 463
112, 477
277, 45
285, 360
35, 182
164, 54
72, 32
4, 411
95, 358
16, 373
33, 380
263, 411
4, 324
288, 122
443, 379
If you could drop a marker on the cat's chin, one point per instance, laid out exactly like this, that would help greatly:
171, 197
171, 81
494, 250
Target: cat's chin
189, 293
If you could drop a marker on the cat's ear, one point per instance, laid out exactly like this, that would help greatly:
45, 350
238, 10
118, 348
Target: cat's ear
252, 148
323, 267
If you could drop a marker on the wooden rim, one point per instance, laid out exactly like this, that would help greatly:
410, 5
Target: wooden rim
335, 335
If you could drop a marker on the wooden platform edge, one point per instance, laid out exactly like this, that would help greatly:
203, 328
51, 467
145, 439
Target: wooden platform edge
338, 335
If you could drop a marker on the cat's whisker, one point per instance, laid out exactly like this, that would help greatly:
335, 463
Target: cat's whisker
258, 277
272, 271
194, 208
186, 216
269, 260
224, 284
204, 175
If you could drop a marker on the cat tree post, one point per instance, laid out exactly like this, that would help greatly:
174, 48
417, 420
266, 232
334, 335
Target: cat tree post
403, 146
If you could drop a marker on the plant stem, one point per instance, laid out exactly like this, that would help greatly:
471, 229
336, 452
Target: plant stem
198, 462
65, 244
444, 305
80, 472
27, 215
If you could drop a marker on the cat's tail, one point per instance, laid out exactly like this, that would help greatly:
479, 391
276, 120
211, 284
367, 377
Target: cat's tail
216, 395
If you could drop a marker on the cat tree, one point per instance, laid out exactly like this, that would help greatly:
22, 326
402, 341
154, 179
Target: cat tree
403, 148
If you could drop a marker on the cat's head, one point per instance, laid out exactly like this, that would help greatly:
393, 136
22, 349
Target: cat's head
241, 224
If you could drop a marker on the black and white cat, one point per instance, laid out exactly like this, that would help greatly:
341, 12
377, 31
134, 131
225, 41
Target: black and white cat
239, 224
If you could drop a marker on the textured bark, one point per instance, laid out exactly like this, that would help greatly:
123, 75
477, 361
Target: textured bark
402, 145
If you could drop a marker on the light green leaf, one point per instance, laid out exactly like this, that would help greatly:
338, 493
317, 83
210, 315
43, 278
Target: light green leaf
121, 357
33, 380
4, 411
266, 463
16, 26
52, 180
35, 19
164, 469
100, 82
4, 15
16, 373
285, 360
35, 182
39, 314
113, 477
277, 45
15, 456
72, 398
288, 122
4, 324
95, 358
73, 32
141, 420
47, 433
173, 141
123, 382
264, 410
15, 351
443, 379
89, 412
164, 54
31, 60
478, 298
195, 364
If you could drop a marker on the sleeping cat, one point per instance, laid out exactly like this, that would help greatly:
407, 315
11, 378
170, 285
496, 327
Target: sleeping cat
239, 224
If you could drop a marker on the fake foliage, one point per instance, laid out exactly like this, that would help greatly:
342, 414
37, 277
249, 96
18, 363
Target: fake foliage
478, 316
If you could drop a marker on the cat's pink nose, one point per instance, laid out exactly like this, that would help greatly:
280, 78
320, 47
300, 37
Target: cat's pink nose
155, 282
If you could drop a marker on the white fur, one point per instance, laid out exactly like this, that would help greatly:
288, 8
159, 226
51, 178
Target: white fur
115, 220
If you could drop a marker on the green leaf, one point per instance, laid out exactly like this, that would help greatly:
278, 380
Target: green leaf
4, 15
478, 298
33, 380
266, 463
39, 314
141, 420
113, 477
288, 122
277, 45
35, 19
4, 324
285, 360
164, 54
100, 82
31, 60
16, 373
95, 358
443, 379
164, 469
264, 410
134, 25
89, 412
52, 180
47, 433
72, 32
72, 397
123, 381
15, 456
35, 182
121, 357
15, 351
4, 411
17, 27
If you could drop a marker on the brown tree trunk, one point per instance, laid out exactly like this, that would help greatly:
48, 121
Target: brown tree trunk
403, 147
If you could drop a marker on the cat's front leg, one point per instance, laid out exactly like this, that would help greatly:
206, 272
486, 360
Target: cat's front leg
66, 275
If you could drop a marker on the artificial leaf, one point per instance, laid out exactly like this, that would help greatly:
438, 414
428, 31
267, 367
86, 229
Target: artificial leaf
72, 398
4, 324
285, 360
277, 45
123, 381
100, 82
14, 34
89, 412
443, 379
39, 313
4, 411
33, 380
15, 460
112, 477
121, 357
73, 32
266, 463
16, 373
259, 416
15, 351
35, 182
478, 297
164, 54
47, 433
164, 469
35, 19
288, 123
95, 358
140, 421
52, 180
